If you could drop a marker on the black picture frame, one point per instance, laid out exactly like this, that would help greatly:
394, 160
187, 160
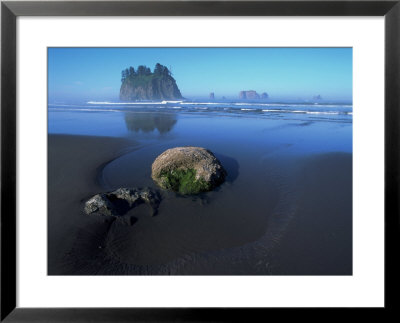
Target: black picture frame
10, 10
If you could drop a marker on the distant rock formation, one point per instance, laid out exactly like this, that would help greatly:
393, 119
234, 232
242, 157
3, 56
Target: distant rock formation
264, 95
143, 84
317, 97
212, 96
248, 95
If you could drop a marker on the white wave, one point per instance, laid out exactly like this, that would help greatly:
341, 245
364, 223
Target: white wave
301, 111
335, 105
176, 107
274, 110
243, 109
294, 105
166, 102
65, 105
86, 109
261, 104
125, 103
321, 112
208, 103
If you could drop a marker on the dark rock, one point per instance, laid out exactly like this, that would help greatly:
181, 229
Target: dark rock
212, 96
264, 95
120, 201
100, 204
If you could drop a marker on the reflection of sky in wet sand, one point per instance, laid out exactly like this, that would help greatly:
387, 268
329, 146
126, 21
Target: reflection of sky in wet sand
150, 121
295, 136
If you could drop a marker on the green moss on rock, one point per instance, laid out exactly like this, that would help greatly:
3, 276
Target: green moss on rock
184, 181
187, 170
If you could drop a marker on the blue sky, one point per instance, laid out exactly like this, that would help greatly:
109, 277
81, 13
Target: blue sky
295, 73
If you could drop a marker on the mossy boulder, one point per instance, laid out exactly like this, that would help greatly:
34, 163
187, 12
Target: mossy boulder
188, 170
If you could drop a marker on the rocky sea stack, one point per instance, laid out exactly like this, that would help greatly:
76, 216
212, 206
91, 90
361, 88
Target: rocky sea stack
142, 84
252, 95
188, 170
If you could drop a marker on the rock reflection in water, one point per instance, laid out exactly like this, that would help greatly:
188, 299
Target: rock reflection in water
150, 121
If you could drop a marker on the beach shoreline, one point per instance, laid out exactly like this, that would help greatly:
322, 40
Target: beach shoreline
212, 239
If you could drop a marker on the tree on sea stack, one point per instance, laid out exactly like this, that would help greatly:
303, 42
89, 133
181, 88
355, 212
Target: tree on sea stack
188, 170
143, 84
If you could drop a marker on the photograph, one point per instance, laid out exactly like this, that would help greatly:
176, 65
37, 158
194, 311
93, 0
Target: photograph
200, 161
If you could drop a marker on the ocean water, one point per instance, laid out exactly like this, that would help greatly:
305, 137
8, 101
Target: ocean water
306, 127
286, 162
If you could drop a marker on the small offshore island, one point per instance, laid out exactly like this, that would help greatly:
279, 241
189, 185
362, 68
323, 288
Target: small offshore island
143, 84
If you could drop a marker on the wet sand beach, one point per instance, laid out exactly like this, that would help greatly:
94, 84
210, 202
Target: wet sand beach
73, 166
279, 212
